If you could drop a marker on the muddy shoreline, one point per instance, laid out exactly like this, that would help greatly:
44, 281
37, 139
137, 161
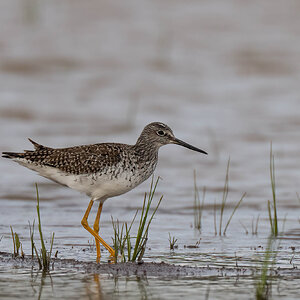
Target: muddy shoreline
142, 268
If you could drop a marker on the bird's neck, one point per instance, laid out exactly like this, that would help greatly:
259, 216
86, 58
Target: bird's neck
145, 148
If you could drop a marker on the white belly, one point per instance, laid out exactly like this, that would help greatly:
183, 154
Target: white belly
96, 186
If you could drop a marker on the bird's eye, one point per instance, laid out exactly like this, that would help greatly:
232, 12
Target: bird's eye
161, 133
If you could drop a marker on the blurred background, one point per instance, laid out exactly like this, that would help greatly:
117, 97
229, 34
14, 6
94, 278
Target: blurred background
224, 75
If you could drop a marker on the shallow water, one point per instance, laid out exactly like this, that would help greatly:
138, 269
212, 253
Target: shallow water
223, 75
28, 284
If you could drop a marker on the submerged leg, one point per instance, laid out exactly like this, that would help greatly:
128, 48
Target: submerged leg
96, 229
85, 224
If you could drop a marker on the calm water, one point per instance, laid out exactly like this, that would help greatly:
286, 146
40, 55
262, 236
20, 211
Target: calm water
224, 76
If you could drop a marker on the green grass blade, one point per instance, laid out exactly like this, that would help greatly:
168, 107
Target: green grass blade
224, 197
215, 217
235, 208
196, 200
270, 216
18, 243
31, 232
198, 206
142, 223
142, 233
122, 237
39, 219
51, 245
256, 225
273, 186
45, 256
262, 286
13, 238
38, 257
152, 216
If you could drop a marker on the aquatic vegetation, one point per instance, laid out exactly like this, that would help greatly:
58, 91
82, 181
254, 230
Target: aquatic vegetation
273, 217
264, 283
215, 217
31, 233
254, 229
224, 197
198, 206
44, 256
234, 210
172, 242
122, 238
245, 228
223, 204
17, 244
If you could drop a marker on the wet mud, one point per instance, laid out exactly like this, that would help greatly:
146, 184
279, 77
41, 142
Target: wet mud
142, 268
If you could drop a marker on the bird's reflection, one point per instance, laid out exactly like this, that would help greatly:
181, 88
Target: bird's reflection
114, 286
93, 288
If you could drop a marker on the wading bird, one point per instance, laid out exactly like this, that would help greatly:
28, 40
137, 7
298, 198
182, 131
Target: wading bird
101, 170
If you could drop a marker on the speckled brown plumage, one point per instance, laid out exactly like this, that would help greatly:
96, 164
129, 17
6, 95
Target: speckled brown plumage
77, 160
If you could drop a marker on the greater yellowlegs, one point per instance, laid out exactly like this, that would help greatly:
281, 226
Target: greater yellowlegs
101, 170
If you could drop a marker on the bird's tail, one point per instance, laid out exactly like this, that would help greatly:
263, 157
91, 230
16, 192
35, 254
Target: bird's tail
12, 155
15, 155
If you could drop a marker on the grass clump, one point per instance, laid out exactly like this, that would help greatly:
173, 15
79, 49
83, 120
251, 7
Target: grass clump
44, 256
18, 249
254, 226
264, 284
172, 242
273, 217
122, 240
223, 205
31, 233
198, 206
122, 237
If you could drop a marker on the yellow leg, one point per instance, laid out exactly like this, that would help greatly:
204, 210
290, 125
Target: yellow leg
96, 229
85, 224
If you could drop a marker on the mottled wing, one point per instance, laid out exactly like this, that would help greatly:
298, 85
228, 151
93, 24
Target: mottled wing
84, 159
74, 160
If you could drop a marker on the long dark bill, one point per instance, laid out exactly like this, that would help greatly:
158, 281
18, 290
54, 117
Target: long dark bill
186, 145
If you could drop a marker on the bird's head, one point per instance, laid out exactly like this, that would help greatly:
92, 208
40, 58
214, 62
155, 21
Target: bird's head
160, 134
